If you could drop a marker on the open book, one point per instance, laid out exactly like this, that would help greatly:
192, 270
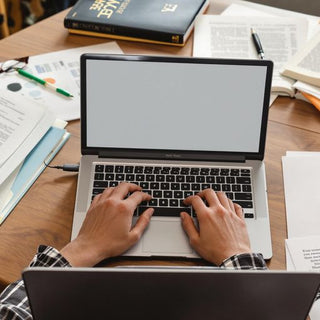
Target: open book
230, 37
305, 65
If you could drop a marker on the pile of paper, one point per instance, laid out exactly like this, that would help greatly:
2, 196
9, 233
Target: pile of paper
29, 135
301, 177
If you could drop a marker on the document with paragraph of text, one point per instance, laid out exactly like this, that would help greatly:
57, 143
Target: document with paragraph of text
230, 37
23, 123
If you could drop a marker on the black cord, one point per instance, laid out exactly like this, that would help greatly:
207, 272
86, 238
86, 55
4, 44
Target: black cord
65, 167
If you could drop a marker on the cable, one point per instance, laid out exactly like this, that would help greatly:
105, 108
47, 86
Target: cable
65, 167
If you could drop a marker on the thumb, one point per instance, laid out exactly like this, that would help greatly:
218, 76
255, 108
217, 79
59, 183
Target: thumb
189, 227
141, 224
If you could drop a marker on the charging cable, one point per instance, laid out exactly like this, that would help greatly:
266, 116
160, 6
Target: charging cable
65, 167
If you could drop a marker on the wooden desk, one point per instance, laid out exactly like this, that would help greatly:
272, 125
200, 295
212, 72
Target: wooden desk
44, 215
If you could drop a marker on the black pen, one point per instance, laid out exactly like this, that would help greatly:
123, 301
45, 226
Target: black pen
257, 43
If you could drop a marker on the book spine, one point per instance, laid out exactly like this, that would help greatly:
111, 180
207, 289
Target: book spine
124, 31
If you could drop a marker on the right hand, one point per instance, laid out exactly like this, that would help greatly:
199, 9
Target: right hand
222, 229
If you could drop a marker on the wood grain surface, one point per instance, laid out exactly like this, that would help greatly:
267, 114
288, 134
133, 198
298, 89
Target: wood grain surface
44, 215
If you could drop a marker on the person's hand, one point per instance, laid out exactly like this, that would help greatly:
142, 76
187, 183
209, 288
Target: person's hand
222, 230
107, 229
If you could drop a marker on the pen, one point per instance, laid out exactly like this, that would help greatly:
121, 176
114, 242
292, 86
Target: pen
44, 83
257, 43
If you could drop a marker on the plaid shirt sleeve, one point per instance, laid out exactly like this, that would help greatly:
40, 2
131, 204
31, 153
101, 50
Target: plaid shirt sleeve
13, 300
245, 261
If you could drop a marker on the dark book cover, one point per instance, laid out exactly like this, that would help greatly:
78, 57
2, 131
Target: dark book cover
154, 20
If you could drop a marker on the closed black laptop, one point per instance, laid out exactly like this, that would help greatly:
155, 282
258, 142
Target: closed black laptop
169, 293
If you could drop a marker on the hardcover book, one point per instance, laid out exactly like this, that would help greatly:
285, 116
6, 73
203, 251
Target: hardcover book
155, 21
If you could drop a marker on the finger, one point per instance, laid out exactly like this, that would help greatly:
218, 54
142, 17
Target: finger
223, 199
189, 227
210, 196
238, 210
137, 197
107, 191
95, 199
231, 204
196, 202
122, 190
141, 224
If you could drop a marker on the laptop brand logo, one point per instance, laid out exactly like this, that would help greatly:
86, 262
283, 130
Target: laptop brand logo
172, 155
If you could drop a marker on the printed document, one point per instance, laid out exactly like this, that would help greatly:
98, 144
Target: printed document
18, 117
24, 117
230, 37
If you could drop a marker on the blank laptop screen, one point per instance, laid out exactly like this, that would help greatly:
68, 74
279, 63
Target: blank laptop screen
174, 106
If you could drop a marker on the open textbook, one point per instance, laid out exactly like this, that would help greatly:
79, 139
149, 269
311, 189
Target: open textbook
278, 39
305, 64
230, 37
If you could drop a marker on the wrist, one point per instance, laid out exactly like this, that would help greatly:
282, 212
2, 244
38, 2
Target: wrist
80, 254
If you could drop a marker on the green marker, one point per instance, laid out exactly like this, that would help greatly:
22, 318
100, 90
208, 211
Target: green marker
44, 83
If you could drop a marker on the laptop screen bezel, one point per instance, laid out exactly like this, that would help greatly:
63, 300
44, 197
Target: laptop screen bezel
173, 154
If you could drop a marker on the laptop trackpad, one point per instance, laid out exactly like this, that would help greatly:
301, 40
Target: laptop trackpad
165, 237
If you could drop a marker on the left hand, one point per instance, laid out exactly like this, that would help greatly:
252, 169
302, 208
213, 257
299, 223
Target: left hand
107, 229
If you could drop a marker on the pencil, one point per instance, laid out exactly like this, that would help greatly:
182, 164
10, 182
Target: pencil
44, 83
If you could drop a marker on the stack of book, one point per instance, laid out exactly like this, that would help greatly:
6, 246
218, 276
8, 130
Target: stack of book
304, 67
30, 137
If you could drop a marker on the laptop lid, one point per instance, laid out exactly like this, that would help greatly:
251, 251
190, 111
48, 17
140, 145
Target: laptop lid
175, 108
169, 293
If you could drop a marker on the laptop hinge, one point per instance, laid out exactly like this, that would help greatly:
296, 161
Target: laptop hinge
173, 156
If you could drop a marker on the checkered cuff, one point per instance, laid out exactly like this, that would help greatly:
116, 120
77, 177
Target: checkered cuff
245, 261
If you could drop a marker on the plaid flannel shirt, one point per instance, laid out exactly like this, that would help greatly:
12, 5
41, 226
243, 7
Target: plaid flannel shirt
14, 302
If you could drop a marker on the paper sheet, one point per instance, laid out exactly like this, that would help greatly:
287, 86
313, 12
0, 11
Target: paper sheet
305, 253
302, 185
62, 68
227, 36
17, 120
248, 8
28, 144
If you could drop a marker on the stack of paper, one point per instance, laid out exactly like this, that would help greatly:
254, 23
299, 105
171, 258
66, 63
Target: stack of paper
301, 177
29, 135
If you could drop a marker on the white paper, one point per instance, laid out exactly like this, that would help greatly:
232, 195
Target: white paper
5, 188
315, 311
305, 253
248, 8
61, 68
15, 159
301, 179
308, 88
230, 37
17, 120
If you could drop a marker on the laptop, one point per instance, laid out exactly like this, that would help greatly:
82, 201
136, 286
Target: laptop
169, 293
175, 126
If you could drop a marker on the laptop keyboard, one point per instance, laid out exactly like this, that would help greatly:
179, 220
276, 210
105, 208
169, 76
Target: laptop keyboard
170, 185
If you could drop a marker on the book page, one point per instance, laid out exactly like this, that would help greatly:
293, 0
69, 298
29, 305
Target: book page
305, 65
230, 37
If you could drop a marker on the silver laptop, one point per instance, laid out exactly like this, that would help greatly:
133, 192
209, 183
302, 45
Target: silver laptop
175, 126
169, 293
